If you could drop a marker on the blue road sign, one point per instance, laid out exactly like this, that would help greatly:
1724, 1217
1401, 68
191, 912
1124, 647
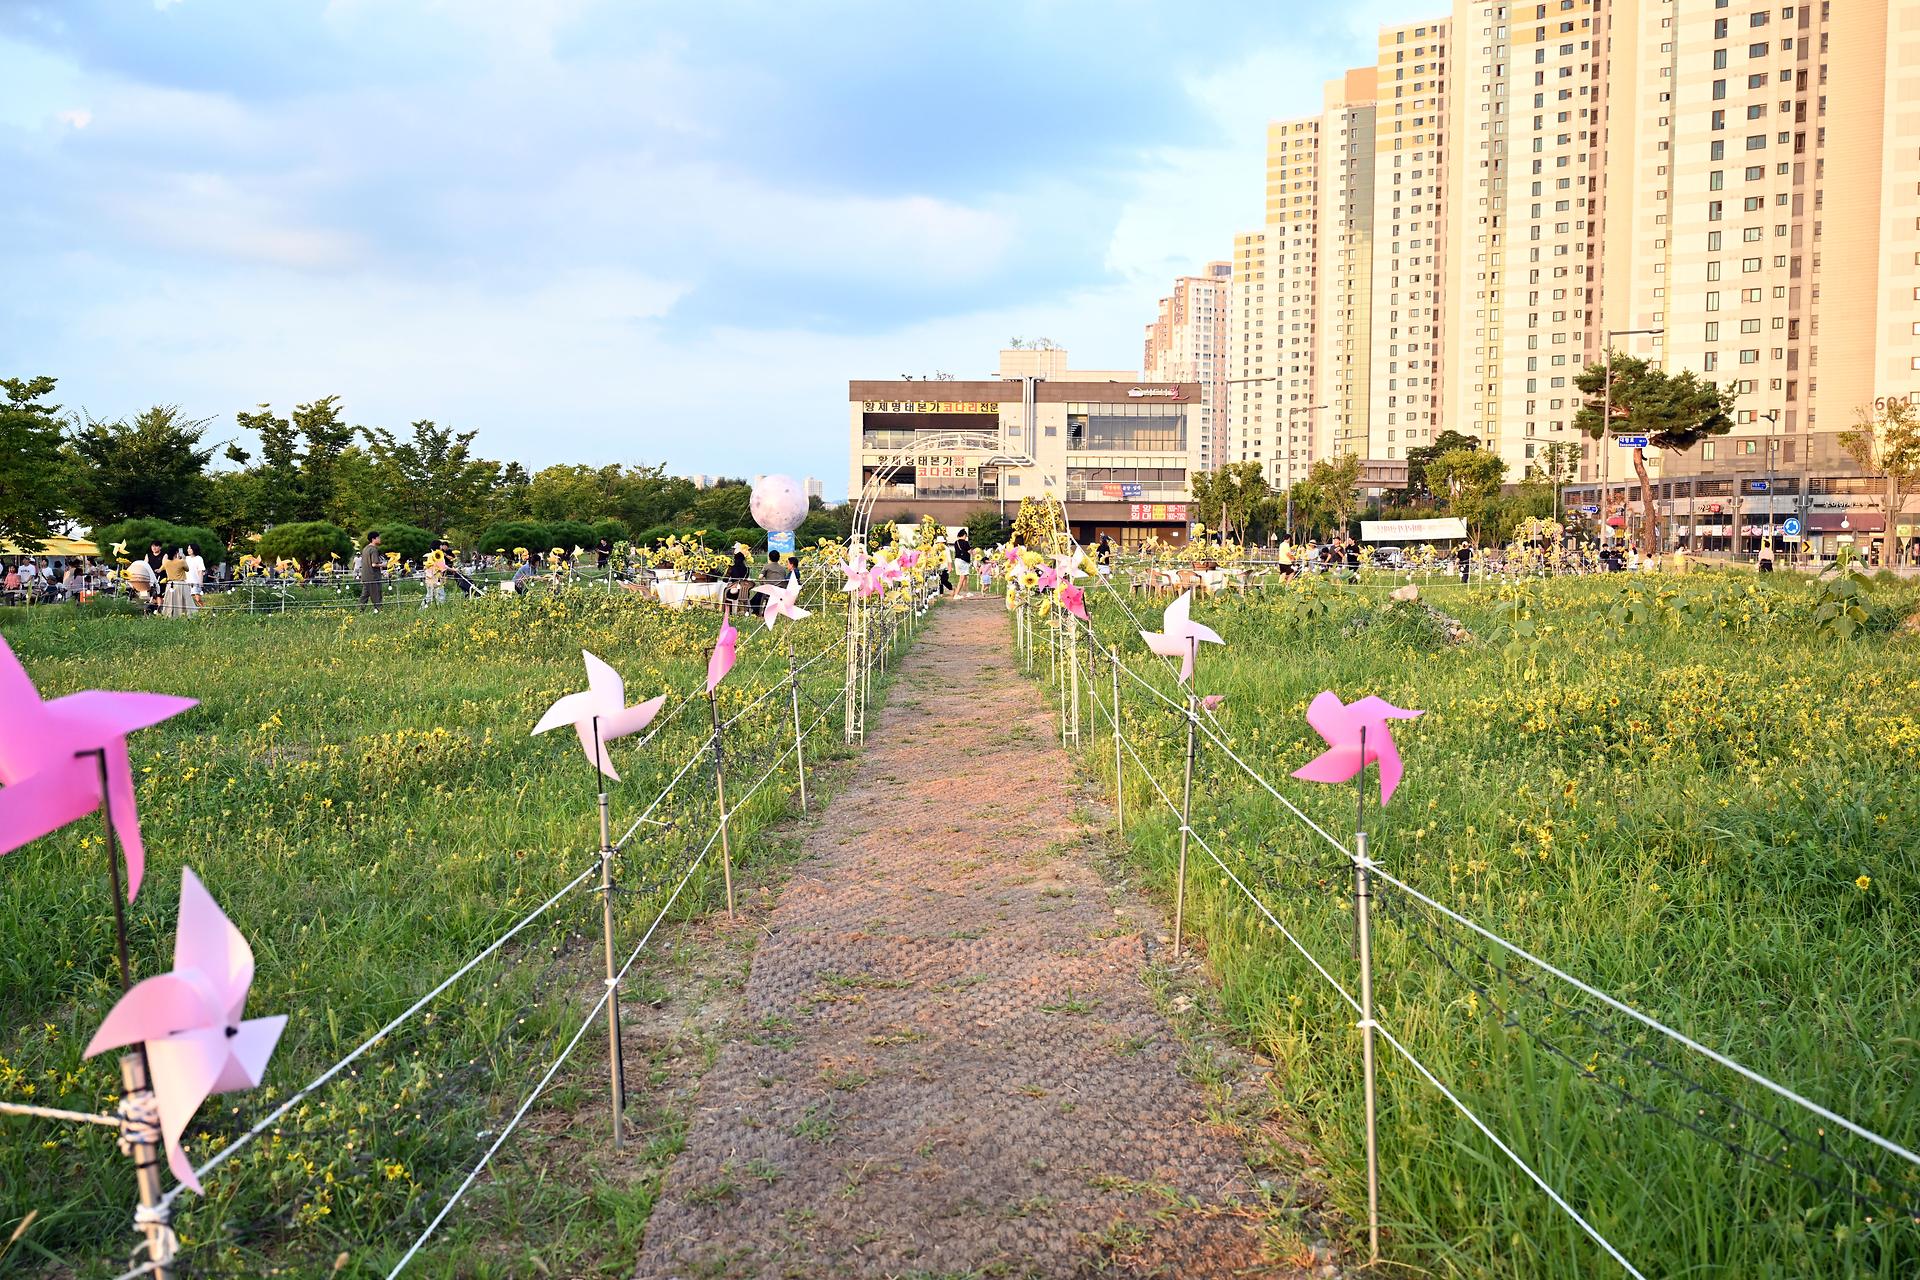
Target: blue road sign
1791, 527
1591, 510
1758, 486
1631, 442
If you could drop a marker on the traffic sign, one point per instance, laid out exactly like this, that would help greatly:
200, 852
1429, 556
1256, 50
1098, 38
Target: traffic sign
1631, 442
1591, 510
1758, 486
1790, 526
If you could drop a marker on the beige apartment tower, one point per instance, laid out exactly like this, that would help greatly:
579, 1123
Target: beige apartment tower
1187, 342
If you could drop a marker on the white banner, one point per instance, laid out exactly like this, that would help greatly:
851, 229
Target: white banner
1446, 527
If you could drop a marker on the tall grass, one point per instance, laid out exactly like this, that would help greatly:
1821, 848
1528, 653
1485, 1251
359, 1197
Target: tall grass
361, 795
1710, 813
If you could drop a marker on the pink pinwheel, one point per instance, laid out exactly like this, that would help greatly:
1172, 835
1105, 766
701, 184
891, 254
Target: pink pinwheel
45, 779
1342, 727
781, 601
1013, 554
1181, 635
1067, 567
908, 559
604, 700
1049, 578
1213, 700
721, 660
856, 571
197, 1044
1074, 600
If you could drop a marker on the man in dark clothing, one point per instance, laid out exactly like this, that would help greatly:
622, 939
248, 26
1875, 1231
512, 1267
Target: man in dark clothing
1464, 554
372, 562
602, 552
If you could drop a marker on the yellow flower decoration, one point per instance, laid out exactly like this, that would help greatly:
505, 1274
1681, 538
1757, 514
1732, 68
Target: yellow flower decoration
1862, 883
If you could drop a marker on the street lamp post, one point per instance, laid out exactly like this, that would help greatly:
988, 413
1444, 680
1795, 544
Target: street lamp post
1773, 426
1606, 424
1309, 408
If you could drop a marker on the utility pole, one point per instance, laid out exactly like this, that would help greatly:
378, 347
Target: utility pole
1773, 426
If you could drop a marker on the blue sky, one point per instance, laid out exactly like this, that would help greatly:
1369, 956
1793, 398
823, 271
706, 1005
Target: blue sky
633, 231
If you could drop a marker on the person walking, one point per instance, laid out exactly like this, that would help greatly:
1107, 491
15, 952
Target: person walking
962, 560
1464, 554
370, 565
1766, 557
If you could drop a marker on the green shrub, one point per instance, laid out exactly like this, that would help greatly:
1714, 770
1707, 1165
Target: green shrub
142, 533
502, 538
567, 534
410, 540
308, 541
612, 529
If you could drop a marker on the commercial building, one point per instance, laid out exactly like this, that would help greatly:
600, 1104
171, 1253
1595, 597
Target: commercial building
1722, 186
1187, 342
1112, 447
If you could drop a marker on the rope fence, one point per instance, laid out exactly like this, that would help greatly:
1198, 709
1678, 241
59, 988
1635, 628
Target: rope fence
1454, 943
809, 691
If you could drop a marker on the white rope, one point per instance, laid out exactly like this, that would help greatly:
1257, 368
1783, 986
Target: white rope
1679, 1037
1275, 922
1494, 1138
699, 752
221, 1156
527, 1103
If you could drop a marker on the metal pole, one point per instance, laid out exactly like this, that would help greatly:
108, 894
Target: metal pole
1119, 773
616, 1066
1186, 820
720, 792
799, 740
113, 870
1363, 926
139, 1139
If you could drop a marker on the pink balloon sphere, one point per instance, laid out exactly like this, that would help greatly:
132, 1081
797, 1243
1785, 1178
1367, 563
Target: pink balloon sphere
778, 504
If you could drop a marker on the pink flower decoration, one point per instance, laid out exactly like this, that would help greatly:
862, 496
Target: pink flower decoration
721, 660
605, 698
1049, 578
45, 783
780, 601
908, 559
1181, 635
1341, 726
190, 1020
1074, 600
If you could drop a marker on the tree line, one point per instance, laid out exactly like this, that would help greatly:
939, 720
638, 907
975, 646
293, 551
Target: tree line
312, 466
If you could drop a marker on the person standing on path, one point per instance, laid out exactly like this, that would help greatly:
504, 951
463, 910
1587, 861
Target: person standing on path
1766, 557
1464, 554
371, 563
962, 560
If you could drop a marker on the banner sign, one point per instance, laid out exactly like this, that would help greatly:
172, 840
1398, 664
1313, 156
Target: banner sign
781, 542
930, 406
1413, 530
1130, 490
1157, 511
947, 466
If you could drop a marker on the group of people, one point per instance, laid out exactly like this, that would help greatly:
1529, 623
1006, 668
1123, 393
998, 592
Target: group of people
39, 580
169, 583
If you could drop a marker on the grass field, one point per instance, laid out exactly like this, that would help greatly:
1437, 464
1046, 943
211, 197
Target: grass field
361, 795
1676, 790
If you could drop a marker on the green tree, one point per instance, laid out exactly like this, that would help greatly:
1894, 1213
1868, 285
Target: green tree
1885, 437
278, 493
325, 435
1228, 496
432, 477
155, 465
1674, 412
1421, 457
410, 540
143, 531
35, 470
1467, 479
1326, 500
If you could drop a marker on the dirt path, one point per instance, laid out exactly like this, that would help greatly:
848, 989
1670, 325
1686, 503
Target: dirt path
953, 1065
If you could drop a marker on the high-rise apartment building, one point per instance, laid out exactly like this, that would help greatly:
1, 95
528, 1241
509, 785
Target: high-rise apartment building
1410, 150
1728, 187
1187, 342
1345, 304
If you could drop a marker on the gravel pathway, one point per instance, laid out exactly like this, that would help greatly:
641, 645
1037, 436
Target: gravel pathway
950, 1064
